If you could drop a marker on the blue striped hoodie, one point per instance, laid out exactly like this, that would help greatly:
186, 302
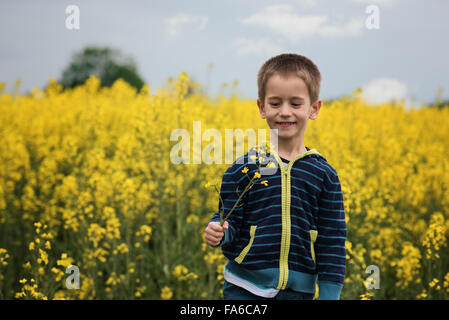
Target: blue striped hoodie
289, 234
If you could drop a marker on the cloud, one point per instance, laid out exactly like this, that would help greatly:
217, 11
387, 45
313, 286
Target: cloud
388, 3
283, 20
384, 90
351, 28
308, 3
264, 46
182, 21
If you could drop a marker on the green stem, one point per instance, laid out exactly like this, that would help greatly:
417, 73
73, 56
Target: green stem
222, 204
250, 184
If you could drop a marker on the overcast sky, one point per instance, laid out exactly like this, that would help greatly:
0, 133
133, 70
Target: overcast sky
407, 57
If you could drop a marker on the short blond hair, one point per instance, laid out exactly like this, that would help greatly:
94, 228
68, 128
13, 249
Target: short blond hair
286, 64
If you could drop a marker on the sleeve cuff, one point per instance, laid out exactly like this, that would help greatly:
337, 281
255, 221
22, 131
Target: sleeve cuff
224, 240
329, 290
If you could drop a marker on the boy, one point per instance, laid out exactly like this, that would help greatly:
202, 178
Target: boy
290, 234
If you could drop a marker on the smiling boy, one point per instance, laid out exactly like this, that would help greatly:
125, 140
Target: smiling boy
287, 237
287, 108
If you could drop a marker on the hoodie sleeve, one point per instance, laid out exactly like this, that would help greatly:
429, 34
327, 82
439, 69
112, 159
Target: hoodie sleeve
330, 244
232, 185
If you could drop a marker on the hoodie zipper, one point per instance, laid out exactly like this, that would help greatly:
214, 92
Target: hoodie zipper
286, 222
285, 239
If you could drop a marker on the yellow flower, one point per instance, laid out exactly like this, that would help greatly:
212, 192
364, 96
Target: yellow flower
47, 236
245, 170
257, 175
192, 218
20, 295
96, 233
43, 257
180, 271
3, 257
166, 293
113, 279
446, 282
422, 295
58, 274
271, 165
60, 295
265, 183
145, 231
123, 248
65, 261
113, 228
433, 282
366, 296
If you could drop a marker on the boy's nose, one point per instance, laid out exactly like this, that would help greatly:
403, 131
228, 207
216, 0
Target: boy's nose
284, 109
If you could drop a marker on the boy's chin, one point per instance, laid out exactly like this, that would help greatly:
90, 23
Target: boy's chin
285, 136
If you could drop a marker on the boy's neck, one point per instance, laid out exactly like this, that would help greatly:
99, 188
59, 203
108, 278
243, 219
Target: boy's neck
290, 149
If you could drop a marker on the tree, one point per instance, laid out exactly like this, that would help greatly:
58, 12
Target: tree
106, 63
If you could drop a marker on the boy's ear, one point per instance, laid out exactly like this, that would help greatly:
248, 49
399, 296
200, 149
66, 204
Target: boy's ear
315, 108
261, 109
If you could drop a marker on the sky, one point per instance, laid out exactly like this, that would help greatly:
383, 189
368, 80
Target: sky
218, 42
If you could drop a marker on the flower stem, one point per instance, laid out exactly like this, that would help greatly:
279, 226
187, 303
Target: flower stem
250, 184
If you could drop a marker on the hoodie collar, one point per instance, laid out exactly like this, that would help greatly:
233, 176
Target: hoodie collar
270, 152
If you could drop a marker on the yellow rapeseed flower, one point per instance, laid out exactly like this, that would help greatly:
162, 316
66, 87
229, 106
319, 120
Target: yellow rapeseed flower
166, 293
180, 270
192, 218
271, 165
43, 257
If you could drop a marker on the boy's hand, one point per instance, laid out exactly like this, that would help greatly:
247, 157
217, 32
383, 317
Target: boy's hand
214, 232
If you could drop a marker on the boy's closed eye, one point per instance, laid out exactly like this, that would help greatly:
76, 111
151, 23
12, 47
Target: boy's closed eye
277, 104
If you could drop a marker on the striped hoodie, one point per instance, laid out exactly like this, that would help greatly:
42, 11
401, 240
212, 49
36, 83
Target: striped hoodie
289, 234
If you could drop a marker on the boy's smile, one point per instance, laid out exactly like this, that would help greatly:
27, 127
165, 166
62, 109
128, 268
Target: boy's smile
287, 107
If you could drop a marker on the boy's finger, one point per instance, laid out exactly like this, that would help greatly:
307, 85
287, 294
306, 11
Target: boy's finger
216, 226
225, 225
212, 240
215, 234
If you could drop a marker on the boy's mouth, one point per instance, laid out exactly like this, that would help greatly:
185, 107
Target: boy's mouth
286, 124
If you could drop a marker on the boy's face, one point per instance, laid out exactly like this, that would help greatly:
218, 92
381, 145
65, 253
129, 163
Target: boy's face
287, 106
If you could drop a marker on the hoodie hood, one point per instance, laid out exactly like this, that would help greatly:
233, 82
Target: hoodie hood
270, 153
